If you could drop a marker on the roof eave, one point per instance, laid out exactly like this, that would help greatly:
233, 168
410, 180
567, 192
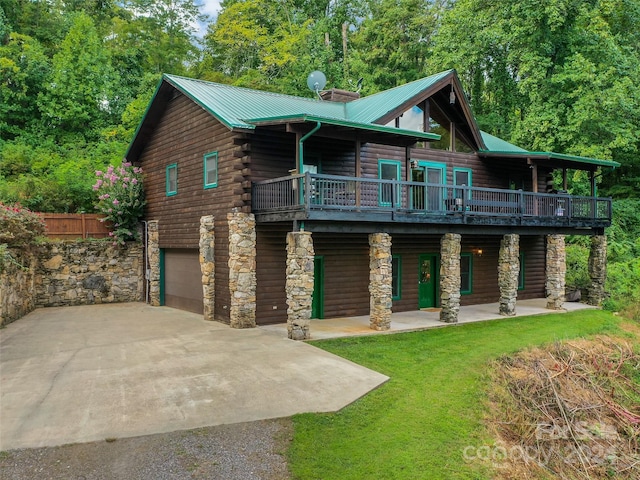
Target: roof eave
549, 156
419, 136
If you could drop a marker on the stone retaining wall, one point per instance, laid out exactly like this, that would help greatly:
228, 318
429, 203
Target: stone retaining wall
17, 286
84, 272
88, 272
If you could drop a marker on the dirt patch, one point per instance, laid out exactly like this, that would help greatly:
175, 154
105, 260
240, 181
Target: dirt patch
571, 410
244, 451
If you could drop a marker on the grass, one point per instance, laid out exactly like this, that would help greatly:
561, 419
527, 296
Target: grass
417, 425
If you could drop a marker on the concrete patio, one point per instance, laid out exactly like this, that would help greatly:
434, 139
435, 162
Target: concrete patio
422, 319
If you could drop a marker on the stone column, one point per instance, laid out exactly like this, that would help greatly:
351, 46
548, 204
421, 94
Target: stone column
597, 269
242, 269
555, 271
299, 285
450, 277
153, 257
207, 265
508, 272
380, 281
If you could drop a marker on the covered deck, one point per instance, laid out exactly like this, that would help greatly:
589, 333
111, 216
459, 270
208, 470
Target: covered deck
355, 199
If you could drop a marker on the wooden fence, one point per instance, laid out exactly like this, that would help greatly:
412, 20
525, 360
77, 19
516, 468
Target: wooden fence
70, 226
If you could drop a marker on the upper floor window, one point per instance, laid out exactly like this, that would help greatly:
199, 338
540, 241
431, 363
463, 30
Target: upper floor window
412, 119
172, 179
211, 170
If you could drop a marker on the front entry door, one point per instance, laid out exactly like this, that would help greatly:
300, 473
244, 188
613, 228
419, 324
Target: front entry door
317, 302
428, 281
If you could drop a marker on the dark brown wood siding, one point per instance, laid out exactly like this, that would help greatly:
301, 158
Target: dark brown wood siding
346, 273
534, 249
184, 134
271, 273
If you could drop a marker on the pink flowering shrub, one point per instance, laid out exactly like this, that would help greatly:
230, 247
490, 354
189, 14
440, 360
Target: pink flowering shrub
121, 200
19, 226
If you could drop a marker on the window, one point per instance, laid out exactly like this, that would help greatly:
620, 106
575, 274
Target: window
521, 274
389, 170
411, 119
466, 273
211, 170
172, 179
396, 277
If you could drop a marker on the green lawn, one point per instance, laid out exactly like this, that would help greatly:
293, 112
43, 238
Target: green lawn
418, 423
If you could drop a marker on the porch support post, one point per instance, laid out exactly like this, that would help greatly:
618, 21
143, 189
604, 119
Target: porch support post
508, 272
299, 284
242, 269
597, 269
556, 270
380, 281
207, 265
153, 257
450, 277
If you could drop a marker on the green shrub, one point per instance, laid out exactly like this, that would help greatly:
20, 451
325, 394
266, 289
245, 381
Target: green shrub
623, 285
577, 276
19, 226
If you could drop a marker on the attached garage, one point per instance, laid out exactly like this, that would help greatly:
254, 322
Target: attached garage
182, 279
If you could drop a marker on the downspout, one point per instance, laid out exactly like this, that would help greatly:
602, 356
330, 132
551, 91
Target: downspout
301, 160
301, 146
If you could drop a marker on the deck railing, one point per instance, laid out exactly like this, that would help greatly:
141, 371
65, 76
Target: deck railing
324, 192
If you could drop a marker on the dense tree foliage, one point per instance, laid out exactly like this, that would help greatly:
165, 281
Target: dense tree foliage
76, 76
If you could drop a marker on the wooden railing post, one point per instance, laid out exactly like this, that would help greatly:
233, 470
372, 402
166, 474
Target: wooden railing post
84, 226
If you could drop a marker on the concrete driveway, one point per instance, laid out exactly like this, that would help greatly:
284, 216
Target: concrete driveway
79, 374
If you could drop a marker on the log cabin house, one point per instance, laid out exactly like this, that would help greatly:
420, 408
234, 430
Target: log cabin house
265, 208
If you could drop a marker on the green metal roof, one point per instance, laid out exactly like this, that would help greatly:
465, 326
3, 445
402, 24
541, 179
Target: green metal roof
496, 146
244, 108
371, 108
238, 107
231, 104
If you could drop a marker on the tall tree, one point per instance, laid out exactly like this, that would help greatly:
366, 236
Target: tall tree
556, 75
394, 42
24, 68
76, 99
164, 30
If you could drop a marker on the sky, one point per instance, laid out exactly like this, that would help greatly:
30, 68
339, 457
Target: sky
211, 8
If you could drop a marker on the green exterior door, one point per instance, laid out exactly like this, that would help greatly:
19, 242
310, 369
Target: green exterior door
428, 281
317, 303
